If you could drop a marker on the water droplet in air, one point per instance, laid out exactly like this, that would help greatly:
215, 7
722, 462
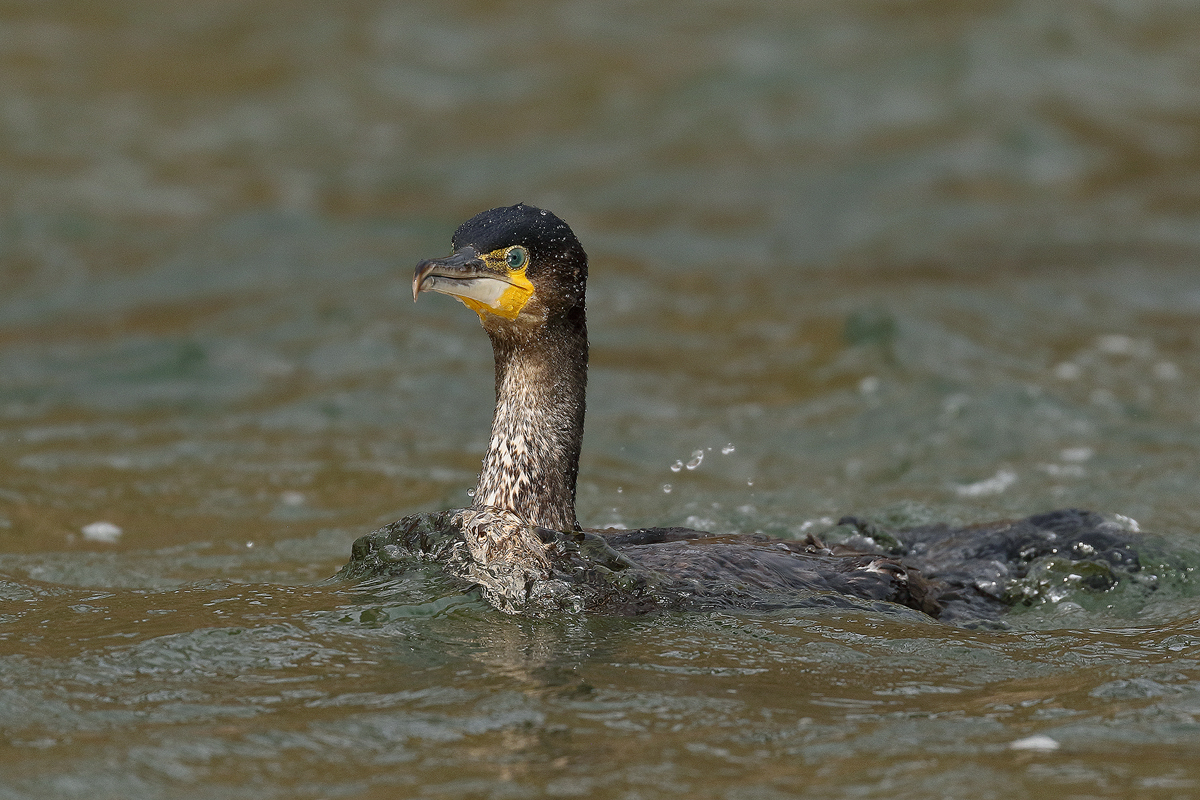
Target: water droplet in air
727, 449
697, 458
749, 483
470, 492
666, 488
678, 465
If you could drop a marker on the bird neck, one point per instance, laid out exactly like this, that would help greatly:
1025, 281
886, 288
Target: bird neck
533, 457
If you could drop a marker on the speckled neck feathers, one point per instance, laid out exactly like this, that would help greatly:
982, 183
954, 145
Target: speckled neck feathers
524, 272
533, 458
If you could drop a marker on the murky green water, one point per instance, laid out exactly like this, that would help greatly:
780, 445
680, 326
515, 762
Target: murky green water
915, 261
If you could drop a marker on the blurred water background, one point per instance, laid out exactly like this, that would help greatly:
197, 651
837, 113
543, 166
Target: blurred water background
916, 261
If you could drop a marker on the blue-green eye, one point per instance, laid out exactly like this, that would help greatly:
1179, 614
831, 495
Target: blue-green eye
516, 257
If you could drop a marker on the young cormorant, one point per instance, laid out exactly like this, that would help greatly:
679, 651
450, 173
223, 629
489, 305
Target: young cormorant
523, 271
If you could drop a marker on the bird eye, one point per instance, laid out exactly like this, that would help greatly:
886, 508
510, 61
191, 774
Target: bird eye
516, 257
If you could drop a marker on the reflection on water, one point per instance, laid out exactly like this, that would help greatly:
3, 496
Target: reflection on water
915, 262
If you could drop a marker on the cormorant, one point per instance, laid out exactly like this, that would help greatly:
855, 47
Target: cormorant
524, 272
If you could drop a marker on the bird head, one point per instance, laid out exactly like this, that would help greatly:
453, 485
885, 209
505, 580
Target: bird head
513, 266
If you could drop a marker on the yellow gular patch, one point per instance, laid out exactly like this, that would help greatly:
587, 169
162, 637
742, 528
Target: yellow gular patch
509, 303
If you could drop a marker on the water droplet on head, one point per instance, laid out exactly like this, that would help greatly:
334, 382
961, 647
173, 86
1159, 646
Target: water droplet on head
666, 488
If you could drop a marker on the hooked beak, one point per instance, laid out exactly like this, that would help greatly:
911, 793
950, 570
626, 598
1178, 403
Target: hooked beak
455, 274
465, 275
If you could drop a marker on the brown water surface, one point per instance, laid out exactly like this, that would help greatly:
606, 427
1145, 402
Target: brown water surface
911, 261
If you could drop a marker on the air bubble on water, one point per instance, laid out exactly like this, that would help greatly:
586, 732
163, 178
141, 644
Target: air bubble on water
666, 488
727, 449
620, 489
678, 465
749, 483
697, 459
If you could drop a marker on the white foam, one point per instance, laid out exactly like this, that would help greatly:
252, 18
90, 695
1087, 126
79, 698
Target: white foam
1038, 743
105, 532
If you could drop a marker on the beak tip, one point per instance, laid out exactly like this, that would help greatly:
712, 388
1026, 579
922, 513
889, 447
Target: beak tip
422, 272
